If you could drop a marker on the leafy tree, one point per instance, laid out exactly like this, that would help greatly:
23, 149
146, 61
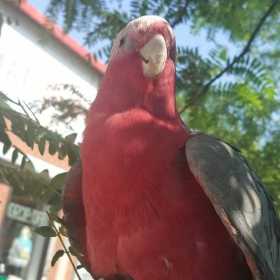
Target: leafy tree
38, 188
231, 96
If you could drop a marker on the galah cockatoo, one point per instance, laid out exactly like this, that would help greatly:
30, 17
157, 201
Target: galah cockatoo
152, 200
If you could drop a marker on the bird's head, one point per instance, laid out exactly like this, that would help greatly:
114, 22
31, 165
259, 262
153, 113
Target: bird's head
141, 70
148, 38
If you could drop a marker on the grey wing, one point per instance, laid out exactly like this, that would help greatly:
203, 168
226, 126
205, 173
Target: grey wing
240, 200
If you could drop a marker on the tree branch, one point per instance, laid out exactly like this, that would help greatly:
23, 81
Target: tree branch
64, 246
21, 104
33, 114
236, 59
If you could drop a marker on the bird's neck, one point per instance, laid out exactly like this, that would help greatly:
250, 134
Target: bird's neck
159, 100
125, 88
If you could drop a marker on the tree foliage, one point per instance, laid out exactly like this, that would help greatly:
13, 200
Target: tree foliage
38, 189
233, 96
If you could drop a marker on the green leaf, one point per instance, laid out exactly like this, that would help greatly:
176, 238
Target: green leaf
18, 127
45, 173
54, 207
55, 200
71, 138
14, 155
42, 145
52, 146
57, 256
62, 151
6, 147
46, 231
4, 138
73, 154
58, 181
23, 162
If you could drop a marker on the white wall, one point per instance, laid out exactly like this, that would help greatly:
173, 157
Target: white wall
31, 61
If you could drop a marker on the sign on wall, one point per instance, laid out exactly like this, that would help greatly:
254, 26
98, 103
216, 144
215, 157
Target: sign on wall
26, 215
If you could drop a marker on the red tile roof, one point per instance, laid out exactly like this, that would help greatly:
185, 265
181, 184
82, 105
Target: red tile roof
60, 35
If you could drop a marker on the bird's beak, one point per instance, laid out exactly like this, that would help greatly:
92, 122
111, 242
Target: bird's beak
154, 55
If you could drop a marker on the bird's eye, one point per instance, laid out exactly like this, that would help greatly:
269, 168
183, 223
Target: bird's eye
122, 40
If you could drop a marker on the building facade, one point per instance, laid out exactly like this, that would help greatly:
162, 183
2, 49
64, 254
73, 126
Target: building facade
36, 57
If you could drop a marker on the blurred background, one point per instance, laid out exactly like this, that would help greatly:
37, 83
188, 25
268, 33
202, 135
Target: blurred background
53, 56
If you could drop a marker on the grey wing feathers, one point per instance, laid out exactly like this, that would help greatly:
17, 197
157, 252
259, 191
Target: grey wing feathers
240, 200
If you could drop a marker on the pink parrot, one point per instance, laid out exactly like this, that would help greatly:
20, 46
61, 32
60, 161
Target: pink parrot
153, 201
